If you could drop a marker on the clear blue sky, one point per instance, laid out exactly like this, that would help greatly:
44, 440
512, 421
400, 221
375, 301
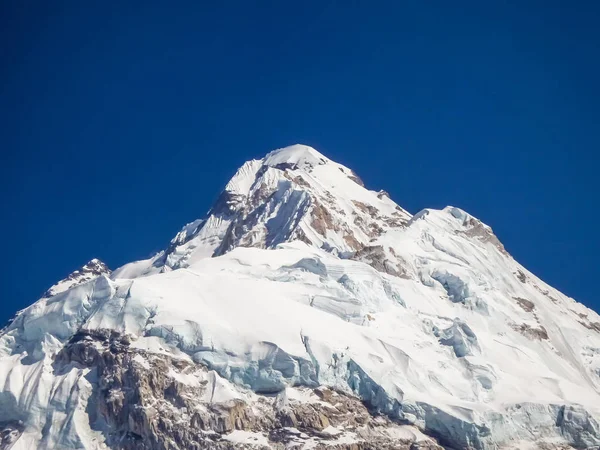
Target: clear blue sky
122, 121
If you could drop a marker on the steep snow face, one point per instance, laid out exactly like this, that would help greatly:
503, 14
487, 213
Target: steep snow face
425, 319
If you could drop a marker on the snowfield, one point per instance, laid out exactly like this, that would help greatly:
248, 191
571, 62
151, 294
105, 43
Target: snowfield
298, 280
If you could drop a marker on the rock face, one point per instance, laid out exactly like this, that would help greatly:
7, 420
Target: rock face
141, 400
305, 312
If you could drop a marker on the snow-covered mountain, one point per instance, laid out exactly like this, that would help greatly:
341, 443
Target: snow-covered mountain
305, 312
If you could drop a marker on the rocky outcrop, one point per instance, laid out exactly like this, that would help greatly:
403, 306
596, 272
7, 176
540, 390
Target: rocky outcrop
146, 401
527, 330
527, 305
376, 257
474, 228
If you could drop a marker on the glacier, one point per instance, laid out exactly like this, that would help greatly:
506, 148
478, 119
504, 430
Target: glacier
305, 311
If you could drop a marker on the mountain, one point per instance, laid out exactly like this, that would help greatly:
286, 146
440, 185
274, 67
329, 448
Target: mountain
305, 312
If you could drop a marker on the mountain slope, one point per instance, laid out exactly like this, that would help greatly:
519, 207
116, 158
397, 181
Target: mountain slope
305, 311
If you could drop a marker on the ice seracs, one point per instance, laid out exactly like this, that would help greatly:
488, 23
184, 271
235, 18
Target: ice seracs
306, 311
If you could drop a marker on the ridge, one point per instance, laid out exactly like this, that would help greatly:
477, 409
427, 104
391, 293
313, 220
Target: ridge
89, 271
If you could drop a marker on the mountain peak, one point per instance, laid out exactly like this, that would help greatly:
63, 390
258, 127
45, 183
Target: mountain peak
297, 155
293, 193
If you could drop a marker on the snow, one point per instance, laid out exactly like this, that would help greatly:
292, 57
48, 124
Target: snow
440, 346
332, 430
93, 269
242, 182
141, 361
275, 200
247, 437
298, 154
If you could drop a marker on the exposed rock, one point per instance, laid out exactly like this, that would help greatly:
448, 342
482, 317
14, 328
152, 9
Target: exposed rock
595, 326
375, 256
477, 229
248, 226
532, 332
521, 276
367, 209
9, 434
527, 305
301, 236
352, 241
88, 272
300, 181
356, 178
322, 219
397, 221
145, 401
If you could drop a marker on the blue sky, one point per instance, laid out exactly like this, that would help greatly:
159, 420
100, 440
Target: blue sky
122, 122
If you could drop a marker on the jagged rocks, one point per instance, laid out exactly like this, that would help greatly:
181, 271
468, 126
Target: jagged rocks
144, 401
474, 228
527, 305
585, 321
521, 276
376, 257
322, 220
530, 332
